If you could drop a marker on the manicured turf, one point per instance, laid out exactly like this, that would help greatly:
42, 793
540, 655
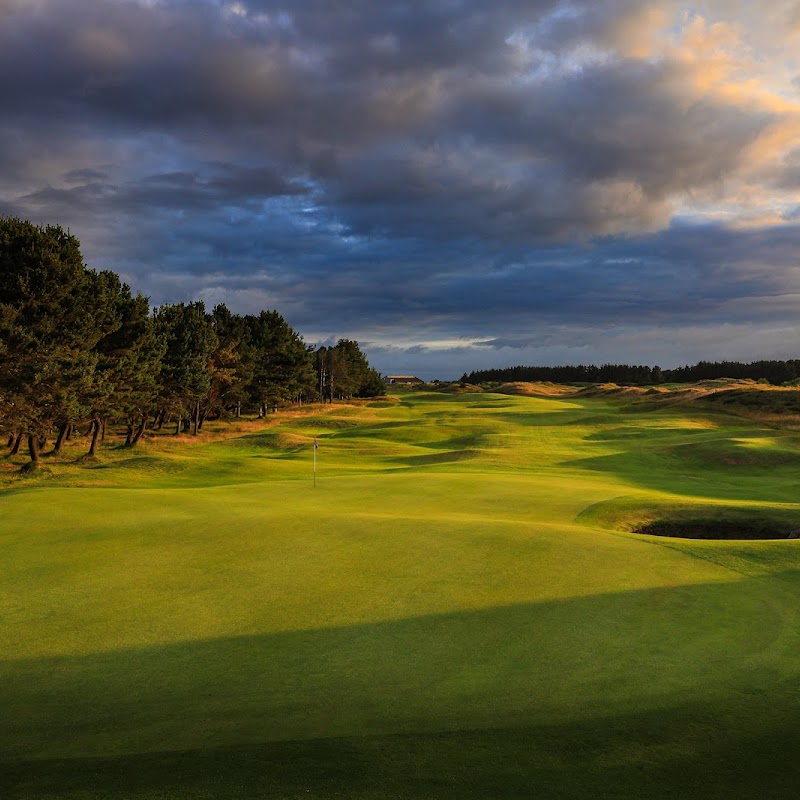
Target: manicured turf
459, 609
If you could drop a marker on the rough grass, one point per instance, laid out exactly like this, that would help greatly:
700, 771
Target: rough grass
459, 609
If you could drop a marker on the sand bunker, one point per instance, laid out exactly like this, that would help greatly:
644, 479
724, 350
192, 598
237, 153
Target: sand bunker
706, 528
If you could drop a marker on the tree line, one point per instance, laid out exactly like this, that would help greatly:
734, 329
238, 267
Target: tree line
775, 372
79, 348
608, 373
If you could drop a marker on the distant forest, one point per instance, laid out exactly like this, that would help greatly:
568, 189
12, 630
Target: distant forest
775, 372
79, 348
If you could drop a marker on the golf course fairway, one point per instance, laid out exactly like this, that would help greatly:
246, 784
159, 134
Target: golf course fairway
460, 608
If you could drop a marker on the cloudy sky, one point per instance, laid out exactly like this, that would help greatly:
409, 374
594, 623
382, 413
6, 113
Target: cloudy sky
457, 184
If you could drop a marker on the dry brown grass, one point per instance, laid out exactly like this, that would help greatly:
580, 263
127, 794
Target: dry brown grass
775, 406
467, 388
536, 389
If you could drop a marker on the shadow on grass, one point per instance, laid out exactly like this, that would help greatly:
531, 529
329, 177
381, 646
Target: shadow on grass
460, 446
369, 427
434, 459
137, 462
718, 469
681, 518
557, 762
546, 419
626, 434
671, 692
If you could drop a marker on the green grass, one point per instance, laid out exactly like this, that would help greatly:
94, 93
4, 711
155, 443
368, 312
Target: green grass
459, 609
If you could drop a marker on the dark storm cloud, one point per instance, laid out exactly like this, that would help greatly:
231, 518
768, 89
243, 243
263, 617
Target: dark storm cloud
403, 112
218, 186
83, 176
455, 167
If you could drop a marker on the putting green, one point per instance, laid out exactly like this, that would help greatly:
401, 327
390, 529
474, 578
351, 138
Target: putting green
458, 609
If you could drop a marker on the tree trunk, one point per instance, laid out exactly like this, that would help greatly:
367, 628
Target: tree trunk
62, 435
196, 418
103, 429
202, 419
11, 438
33, 449
187, 424
128, 433
17, 445
238, 410
160, 418
178, 425
70, 428
140, 430
95, 436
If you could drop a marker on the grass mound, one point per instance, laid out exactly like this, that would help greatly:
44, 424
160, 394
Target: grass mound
776, 406
277, 440
535, 389
461, 388
695, 520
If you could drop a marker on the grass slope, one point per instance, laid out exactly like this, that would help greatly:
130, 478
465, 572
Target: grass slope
458, 610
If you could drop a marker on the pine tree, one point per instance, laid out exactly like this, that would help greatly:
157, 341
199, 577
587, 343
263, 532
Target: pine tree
283, 366
129, 362
49, 325
185, 378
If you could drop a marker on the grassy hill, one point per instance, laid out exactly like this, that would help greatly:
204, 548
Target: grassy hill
461, 608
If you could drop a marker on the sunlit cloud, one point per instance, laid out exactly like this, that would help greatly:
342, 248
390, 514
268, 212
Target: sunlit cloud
463, 184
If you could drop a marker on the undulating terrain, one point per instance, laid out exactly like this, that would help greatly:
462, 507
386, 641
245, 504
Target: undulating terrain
461, 608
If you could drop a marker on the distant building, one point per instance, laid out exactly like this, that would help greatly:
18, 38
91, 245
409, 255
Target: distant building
405, 380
